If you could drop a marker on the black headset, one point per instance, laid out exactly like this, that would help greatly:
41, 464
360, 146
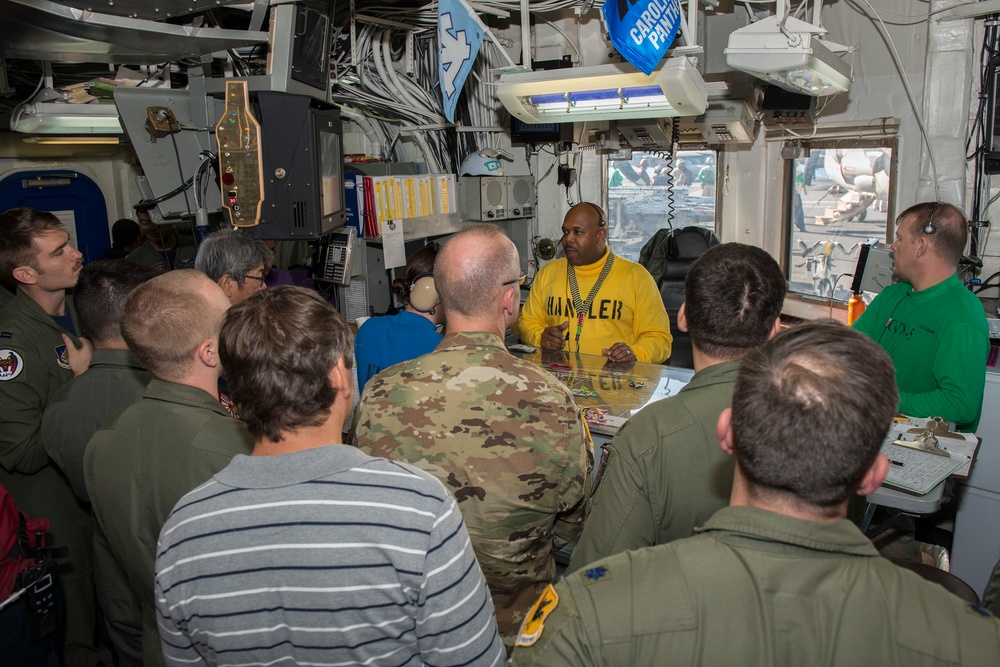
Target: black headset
930, 227
602, 218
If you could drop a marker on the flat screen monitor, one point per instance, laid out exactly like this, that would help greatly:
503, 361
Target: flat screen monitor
303, 167
331, 170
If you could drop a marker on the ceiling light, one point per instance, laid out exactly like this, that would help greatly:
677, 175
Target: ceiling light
790, 55
61, 118
78, 141
616, 91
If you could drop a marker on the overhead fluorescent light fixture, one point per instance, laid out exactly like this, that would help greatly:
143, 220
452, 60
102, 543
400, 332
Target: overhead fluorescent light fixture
88, 140
790, 55
604, 92
62, 118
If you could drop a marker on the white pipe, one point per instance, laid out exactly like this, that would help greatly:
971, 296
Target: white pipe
526, 34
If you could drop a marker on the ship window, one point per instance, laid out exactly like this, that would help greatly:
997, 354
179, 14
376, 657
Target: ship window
837, 196
650, 192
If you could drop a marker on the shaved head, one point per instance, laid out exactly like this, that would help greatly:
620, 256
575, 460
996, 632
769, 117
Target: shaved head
471, 267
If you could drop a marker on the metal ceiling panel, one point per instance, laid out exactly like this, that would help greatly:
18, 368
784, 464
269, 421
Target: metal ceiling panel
44, 30
157, 10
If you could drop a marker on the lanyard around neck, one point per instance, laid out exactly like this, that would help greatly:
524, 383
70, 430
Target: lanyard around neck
582, 308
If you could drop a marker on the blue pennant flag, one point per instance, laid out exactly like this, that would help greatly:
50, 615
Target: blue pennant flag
642, 30
459, 38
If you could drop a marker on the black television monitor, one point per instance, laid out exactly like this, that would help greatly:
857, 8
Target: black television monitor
539, 133
302, 148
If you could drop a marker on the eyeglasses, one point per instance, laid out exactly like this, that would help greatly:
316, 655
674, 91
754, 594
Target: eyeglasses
259, 279
519, 280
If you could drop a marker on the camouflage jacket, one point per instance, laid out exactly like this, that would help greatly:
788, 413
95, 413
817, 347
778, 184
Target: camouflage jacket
506, 438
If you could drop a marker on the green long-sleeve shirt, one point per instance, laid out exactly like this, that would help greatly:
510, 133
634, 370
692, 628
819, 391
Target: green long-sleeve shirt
938, 341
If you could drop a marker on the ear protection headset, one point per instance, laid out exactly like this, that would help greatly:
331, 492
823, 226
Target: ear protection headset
423, 294
930, 227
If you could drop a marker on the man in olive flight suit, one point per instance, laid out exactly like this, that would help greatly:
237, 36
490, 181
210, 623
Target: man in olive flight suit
38, 354
140, 463
779, 577
664, 474
115, 378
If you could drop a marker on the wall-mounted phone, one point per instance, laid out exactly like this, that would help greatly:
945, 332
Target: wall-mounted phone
335, 254
653, 134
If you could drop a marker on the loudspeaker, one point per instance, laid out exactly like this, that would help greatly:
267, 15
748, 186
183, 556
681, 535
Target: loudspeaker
483, 198
520, 196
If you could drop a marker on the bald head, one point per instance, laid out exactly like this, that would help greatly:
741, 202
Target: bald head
168, 317
471, 268
584, 234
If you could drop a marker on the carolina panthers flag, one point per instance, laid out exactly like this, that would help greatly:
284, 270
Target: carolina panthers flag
460, 35
642, 30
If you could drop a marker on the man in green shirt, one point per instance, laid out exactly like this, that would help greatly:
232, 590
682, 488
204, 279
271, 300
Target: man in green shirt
932, 327
780, 577
664, 474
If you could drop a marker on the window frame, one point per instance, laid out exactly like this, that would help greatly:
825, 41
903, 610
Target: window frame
719, 169
890, 141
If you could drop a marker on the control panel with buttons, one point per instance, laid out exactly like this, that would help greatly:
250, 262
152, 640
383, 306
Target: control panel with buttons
240, 160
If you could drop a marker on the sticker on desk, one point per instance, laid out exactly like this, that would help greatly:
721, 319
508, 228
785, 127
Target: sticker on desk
916, 471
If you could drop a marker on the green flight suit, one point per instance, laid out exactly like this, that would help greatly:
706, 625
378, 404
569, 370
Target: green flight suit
758, 588
33, 365
137, 466
6, 296
180, 256
664, 473
114, 380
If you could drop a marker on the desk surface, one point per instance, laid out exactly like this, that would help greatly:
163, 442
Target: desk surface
606, 385
621, 389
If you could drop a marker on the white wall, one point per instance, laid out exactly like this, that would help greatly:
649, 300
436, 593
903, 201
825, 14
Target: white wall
109, 166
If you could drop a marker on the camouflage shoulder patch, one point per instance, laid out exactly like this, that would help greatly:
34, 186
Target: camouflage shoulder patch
11, 365
534, 622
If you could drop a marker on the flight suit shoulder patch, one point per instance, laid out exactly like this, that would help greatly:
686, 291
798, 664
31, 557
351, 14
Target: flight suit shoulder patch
62, 357
534, 621
11, 364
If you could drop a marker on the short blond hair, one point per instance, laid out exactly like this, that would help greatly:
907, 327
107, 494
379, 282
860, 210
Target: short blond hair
167, 318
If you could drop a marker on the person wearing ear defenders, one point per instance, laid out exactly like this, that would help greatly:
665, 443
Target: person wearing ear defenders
410, 333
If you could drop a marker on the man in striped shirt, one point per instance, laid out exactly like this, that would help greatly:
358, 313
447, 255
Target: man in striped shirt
309, 551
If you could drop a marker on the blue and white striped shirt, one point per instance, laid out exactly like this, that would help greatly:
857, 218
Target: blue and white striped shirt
324, 557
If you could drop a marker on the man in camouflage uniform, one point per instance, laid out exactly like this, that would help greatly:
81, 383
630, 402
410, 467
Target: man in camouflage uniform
500, 432
780, 577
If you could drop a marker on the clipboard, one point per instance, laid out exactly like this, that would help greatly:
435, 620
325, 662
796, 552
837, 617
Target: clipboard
915, 471
918, 472
962, 447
